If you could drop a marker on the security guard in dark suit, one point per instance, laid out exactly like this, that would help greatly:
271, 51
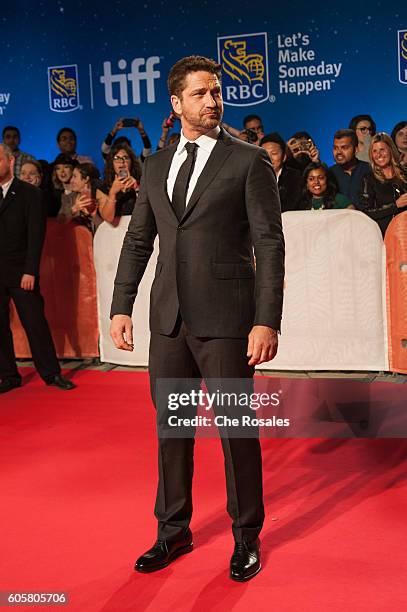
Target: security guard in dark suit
22, 232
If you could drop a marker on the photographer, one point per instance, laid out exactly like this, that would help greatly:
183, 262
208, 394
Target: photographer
126, 123
302, 151
253, 130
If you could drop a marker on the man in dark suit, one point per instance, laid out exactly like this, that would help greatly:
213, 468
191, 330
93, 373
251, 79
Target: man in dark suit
22, 231
289, 180
211, 199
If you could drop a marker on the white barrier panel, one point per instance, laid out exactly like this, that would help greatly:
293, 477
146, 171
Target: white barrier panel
107, 246
334, 315
334, 300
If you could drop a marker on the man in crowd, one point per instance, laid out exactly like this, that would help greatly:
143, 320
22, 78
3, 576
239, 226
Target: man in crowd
255, 125
348, 170
12, 138
211, 199
22, 231
289, 180
66, 140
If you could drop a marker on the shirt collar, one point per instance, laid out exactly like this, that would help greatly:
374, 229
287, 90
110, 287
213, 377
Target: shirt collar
205, 141
6, 186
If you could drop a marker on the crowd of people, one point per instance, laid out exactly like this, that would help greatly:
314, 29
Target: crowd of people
370, 173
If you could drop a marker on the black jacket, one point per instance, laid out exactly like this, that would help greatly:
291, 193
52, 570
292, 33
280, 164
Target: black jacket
22, 232
289, 187
205, 266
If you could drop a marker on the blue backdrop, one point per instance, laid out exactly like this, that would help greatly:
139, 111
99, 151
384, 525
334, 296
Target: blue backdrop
299, 65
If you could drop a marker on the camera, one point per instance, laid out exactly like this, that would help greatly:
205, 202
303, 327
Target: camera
300, 145
251, 135
306, 144
130, 123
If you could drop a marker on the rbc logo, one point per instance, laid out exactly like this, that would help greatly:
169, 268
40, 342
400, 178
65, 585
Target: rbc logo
402, 50
63, 88
244, 69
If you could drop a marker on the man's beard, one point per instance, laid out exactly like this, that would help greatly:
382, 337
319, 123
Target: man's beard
209, 122
205, 121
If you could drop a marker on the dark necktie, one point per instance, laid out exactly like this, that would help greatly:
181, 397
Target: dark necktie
1, 194
179, 194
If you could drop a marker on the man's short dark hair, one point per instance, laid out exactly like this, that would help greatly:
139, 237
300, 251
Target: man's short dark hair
66, 129
347, 134
251, 118
9, 128
186, 65
274, 137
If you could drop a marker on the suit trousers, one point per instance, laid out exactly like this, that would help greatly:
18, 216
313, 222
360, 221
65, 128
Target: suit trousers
182, 356
30, 308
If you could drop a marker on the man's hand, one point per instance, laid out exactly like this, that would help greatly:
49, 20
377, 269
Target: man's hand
27, 282
262, 344
121, 332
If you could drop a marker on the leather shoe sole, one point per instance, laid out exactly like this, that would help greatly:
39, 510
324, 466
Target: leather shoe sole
183, 550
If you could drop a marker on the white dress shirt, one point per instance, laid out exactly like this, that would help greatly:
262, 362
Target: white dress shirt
6, 186
205, 143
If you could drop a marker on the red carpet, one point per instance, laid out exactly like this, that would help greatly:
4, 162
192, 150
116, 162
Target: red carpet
78, 475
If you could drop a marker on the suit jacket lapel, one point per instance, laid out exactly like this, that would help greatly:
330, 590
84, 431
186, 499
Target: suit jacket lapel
9, 196
217, 158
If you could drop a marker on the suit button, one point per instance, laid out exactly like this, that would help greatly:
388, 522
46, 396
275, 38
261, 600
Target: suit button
180, 229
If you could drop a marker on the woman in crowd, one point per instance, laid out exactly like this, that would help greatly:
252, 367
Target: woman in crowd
85, 196
35, 173
320, 190
111, 140
365, 128
120, 187
64, 197
384, 190
31, 172
399, 137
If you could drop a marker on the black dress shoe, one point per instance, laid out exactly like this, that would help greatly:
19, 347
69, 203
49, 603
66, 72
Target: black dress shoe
7, 384
60, 382
162, 553
245, 561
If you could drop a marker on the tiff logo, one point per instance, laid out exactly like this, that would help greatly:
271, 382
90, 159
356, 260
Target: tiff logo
141, 70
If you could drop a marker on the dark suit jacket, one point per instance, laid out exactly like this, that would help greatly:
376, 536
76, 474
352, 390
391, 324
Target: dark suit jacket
22, 232
205, 265
290, 187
